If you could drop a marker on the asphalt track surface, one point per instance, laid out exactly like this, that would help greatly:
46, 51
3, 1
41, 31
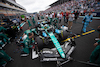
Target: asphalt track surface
84, 47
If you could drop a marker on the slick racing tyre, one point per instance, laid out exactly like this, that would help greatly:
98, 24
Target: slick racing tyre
40, 43
63, 35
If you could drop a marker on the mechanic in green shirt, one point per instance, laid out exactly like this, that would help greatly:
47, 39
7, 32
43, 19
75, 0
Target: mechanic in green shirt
27, 44
28, 22
55, 21
28, 31
33, 21
42, 17
3, 36
2, 28
95, 56
49, 19
3, 57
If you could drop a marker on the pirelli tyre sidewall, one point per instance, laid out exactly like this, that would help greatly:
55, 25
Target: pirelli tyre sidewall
40, 42
63, 35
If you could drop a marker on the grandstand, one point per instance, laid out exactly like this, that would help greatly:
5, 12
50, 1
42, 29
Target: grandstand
82, 6
58, 2
9, 8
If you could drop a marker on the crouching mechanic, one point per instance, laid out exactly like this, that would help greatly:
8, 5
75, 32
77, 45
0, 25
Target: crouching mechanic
3, 36
26, 33
95, 56
3, 57
28, 43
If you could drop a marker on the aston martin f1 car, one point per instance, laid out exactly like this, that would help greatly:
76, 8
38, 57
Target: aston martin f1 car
43, 30
41, 33
60, 52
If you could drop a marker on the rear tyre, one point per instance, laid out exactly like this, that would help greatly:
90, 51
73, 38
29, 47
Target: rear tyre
63, 35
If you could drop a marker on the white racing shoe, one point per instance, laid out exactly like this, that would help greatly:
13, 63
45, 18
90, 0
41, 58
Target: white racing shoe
97, 39
23, 54
4, 65
11, 60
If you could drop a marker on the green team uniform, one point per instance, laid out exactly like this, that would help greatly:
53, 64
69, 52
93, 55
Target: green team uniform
34, 30
95, 56
50, 19
27, 42
2, 36
29, 23
42, 17
3, 56
33, 20
27, 32
55, 20
2, 28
